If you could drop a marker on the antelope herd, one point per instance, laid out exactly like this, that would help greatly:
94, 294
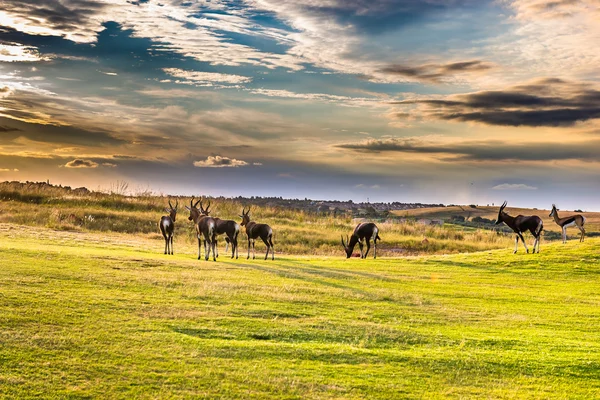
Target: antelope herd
209, 228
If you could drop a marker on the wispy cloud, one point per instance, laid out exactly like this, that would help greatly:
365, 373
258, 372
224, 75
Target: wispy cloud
436, 72
514, 186
205, 78
481, 150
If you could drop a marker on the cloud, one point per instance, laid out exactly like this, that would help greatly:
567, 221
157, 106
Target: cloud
324, 97
5, 129
513, 186
75, 19
363, 186
15, 52
544, 102
220, 162
191, 29
80, 163
205, 78
9, 170
553, 9
482, 150
436, 72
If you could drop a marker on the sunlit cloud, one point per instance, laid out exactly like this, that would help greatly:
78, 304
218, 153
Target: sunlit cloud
205, 78
220, 162
19, 53
80, 163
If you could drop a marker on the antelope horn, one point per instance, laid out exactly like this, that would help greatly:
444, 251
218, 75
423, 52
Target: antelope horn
170, 205
196, 205
208, 206
192, 202
343, 244
176, 203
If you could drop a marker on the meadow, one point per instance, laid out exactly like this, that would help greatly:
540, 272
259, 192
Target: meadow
296, 232
87, 314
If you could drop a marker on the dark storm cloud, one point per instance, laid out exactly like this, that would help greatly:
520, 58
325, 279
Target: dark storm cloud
548, 102
483, 150
436, 72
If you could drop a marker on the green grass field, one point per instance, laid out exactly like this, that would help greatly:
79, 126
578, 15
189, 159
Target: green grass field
104, 315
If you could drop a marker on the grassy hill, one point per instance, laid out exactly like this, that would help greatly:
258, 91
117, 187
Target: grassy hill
102, 315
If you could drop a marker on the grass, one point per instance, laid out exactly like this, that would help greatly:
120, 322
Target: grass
296, 232
105, 315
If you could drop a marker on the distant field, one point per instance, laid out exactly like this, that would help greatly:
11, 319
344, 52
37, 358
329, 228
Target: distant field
105, 315
592, 223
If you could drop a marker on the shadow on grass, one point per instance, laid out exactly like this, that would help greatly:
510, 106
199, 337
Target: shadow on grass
291, 274
338, 272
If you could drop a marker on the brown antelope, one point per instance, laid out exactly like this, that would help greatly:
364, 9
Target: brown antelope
229, 228
167, 226
205, 229
365, 231
254, 230
520, 224
573, 220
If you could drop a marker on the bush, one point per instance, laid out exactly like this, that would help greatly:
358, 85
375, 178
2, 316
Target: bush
481, 220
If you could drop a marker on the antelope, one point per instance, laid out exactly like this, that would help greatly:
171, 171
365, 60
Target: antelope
167, 226
577, 220
229, 228
364, 231
520, 224
205, 229
254, 230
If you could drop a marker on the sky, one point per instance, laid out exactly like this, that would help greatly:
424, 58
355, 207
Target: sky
433, 101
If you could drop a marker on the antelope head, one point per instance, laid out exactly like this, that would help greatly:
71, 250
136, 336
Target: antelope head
347, 248
554, 210
245, 216
205, 211
172, 210
194, 212
499, 220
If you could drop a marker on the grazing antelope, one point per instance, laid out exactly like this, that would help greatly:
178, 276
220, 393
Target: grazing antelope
577, 220
229, 228
205, 229
254, 230
364, 231
520, 224
167, 226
